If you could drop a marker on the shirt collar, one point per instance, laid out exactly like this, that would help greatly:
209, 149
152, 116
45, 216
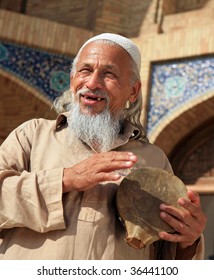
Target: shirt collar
129, 131
61, 120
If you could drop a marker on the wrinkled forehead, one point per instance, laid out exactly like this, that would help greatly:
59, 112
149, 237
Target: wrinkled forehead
104, 52
128, 45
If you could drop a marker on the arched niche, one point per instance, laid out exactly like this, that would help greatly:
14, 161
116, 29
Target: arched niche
188, 141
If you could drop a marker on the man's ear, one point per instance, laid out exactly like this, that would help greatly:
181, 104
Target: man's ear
135, 91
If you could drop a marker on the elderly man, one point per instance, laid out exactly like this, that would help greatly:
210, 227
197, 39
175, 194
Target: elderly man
58, 178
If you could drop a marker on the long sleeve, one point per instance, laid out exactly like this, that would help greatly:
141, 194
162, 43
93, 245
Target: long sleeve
31, 199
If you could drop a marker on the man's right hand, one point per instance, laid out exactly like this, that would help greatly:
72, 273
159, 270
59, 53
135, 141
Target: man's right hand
96, 169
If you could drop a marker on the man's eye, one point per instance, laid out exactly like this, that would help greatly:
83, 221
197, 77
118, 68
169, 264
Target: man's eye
110, 74
84, 70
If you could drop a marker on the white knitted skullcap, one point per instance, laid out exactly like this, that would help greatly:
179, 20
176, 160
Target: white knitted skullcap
124, 42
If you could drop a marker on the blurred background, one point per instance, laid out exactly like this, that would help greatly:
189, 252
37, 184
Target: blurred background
39, 39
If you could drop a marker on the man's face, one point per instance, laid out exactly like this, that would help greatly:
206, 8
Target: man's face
103, 68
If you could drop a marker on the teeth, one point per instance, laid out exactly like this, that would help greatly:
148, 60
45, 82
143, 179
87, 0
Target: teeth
94, 98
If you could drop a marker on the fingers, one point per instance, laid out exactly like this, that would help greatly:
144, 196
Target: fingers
188, 221
170, 237
173, 214
104, 177
96, 169
194, 197
108, 163
176, 224
112, 161
184, 234
190, 211
193, 205
105, 165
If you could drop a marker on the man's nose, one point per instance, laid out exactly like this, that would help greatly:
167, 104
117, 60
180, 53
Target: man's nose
94, 81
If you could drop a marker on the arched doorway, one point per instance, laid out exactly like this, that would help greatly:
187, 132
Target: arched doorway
189, 143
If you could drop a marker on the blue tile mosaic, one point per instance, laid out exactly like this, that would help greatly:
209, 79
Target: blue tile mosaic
46, 72
176, 83
173, 84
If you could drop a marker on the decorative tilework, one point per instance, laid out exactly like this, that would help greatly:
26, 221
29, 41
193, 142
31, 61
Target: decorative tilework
3, 52
173, 84
59, 80
177, 83
46, 72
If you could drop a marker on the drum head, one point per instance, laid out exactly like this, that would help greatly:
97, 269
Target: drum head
138, 202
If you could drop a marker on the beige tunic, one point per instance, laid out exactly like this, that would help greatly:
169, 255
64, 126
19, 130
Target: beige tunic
38, 221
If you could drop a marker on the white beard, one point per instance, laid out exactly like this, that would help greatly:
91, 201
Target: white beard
98, 131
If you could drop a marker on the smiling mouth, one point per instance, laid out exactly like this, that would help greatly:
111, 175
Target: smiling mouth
94, 98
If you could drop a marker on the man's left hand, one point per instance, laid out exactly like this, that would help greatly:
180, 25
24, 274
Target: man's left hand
189, 221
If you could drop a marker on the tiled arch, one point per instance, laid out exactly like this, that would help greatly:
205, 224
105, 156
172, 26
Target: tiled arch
30, 80
20, 102
46, 72
177, 86
183, 121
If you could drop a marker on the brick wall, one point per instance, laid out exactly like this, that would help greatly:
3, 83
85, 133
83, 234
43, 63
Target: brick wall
48, 35
41, 33
185, 20
68, 12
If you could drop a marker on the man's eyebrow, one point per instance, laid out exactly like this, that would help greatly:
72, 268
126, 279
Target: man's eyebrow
84, 64
111, 67
103, 67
